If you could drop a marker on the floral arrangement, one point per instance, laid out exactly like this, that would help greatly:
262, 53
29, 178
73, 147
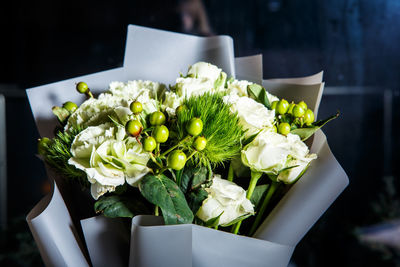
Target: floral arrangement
209, 150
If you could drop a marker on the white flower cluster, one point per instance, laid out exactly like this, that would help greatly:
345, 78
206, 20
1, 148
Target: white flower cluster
108, 157
104, 151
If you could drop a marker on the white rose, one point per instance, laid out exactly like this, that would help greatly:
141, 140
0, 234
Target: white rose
253, 116
238, 87
201, 78
227, 199
187, 87
204, 70
108, 157
271, 152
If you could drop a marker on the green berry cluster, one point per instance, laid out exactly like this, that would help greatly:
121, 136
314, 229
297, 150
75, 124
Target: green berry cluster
291, 115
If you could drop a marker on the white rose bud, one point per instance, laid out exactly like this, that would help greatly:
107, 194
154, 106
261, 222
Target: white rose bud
227, 199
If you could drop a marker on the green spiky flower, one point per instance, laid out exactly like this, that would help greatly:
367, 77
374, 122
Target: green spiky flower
57, 153
221, 128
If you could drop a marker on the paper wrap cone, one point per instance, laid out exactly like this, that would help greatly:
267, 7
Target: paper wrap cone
99, 241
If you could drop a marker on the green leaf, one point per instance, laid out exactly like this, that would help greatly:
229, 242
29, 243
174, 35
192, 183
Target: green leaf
193, 178
221, 80
163, 192
213, 222
196, 198
305, 133
258, 194
238, 219
258, 93
61, 113
119, 206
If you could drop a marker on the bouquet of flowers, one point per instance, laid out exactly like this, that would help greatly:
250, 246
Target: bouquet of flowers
145, 149
208, 150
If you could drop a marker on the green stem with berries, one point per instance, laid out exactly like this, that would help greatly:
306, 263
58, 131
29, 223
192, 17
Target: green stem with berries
175, 146
255, 176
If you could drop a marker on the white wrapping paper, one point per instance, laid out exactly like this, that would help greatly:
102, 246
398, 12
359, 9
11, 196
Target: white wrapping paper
98, 241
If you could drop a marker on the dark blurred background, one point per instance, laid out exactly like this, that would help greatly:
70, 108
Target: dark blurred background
355, 42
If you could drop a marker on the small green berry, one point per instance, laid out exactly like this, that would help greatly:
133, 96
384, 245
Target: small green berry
309, 117
298, 111
136, 107
274, 129
133, 127
194, 126
180, 110
176, 160
273, 105
303, 105
157, 118
70, 106
200, 143
149, 143
43, 144
291, 106
284, 128
282, 106
82, 87
161, 134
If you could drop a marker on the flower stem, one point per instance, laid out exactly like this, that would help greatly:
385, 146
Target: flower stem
191, 155
271, 190
175, 146
255, 176
230, 172
178, 177
155, 161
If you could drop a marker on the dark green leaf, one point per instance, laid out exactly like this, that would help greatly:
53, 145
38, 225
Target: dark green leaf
258, 93
196, 198
119, 206
305, 133
213, 222
61, 113
193, 178
258, 194
163, 192
241, 218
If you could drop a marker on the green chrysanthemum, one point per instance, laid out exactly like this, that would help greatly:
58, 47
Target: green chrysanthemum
221, 128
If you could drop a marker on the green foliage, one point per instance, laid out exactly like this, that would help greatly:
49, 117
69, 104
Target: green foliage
258, 194
195, 199
163, 192
114, 206
258, 93
58, 153
220, 127
305, 133
192, 178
